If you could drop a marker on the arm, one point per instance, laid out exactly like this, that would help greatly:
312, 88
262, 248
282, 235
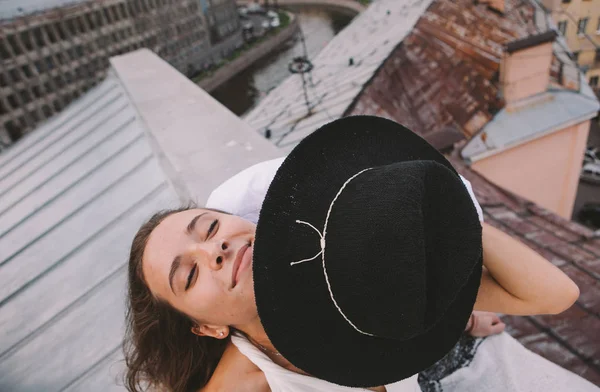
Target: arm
516, 280
236, 373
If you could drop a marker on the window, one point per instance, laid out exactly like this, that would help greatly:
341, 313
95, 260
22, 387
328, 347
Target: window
582, 25
12, 101
50, 33
12, 41
90, 20
58, 81
562, 27
80, 25
25, 39
4, 54
49, 63
14, 131
39, 66
47, 111
36, 91
15, 75
39, 39
107, 15
71, 26
25, 96
25, 69
597, 57
594, 81
576, 56
33, 115
61, 31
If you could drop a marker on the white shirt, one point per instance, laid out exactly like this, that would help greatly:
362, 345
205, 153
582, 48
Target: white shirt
243, 195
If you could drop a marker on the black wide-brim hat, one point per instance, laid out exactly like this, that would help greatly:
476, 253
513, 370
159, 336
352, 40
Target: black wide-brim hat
367, 258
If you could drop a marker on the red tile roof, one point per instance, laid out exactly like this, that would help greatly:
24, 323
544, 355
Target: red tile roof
443, 79
444, 75
570, 339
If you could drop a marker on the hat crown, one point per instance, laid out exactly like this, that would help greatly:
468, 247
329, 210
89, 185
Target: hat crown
311, 278
385, 244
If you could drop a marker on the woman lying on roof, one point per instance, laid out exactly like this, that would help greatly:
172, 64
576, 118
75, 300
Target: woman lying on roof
366, 263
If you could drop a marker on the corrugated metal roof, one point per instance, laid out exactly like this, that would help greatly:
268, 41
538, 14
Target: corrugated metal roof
72, 194
13, 9
369, 40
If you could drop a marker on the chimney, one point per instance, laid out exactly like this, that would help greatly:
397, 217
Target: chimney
525, 67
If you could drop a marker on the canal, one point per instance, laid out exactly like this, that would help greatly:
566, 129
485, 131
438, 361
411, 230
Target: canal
245, 90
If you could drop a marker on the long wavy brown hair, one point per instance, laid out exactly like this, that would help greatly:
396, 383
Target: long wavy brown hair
160, 350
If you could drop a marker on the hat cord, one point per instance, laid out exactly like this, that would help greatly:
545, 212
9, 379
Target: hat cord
322, 252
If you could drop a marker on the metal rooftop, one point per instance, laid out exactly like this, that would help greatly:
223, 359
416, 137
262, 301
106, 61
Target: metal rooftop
72, 195
368, 40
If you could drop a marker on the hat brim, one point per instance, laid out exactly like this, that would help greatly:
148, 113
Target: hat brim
306, 329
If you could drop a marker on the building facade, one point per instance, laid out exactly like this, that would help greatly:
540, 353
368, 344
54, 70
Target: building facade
579, 22
221, 19
51, 56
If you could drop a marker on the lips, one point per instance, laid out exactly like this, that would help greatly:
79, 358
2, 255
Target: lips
236, 264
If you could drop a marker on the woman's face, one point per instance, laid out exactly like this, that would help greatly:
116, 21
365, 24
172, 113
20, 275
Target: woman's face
200, 261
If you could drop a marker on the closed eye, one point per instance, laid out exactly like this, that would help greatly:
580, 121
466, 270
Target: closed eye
190, 276
211, 228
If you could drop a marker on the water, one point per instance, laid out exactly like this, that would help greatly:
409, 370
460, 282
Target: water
245, 90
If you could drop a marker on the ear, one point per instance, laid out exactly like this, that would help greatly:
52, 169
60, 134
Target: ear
214, 331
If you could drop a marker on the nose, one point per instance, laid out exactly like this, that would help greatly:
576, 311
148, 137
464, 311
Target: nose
221, 252
213, 253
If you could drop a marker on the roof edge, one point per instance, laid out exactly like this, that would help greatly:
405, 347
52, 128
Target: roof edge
531, 41
488, 153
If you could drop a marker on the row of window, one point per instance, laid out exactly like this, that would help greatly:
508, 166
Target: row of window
43, 35
172, 49
16, 127
103, 42
581, 25
596, 58
83, 72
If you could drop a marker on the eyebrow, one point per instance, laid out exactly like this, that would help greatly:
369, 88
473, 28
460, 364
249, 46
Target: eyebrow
192, 225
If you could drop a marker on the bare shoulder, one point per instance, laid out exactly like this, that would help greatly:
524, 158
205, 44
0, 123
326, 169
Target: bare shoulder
236, 373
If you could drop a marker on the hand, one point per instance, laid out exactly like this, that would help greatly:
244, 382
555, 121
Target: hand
483, 324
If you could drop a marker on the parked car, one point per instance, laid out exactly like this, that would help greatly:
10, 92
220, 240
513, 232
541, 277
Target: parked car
266, 24
275, 23
592, 155
590, 214
243, 12
272, 14
591, 173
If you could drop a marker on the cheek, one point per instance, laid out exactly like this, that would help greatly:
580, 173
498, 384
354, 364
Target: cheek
205, 299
